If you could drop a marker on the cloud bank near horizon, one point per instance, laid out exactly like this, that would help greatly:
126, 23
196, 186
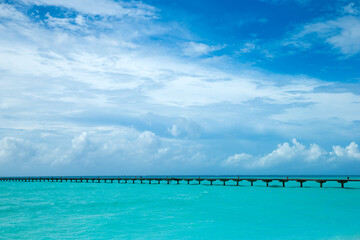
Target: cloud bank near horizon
128, 151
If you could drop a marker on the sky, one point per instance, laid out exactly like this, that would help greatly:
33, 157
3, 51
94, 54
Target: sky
158, 87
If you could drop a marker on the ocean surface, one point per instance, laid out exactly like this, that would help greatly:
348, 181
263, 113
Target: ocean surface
54, 210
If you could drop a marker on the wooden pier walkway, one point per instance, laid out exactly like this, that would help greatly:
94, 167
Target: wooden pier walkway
177, 180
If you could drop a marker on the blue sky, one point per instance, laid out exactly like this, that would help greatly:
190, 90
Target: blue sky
179, 87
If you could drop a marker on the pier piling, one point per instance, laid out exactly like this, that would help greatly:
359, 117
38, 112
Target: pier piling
342, 182
321, 182
301, 181
267, 181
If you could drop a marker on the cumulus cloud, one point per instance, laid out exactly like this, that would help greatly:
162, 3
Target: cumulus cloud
127, 144
16, 150
115, 151
349, 152
237, 160
101, 151
287, 152
296, 153
126, 149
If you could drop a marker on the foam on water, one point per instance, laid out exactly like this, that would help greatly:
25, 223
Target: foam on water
33, 210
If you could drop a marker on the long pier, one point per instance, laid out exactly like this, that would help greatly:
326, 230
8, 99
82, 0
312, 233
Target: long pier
178, 180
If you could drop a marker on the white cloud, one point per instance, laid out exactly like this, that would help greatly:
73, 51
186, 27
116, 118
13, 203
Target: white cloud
248, 47
9, 12
237, 160
15, 149
198, 49
103, 7
351, 9
96, 62
67, 23
286, 152
323, 106
342, 33
80, 20
125, 148
126, 144
174, 131
294, 152
349, 152
118, 150
211, 87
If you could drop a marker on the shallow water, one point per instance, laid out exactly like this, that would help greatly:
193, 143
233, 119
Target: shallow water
42, 210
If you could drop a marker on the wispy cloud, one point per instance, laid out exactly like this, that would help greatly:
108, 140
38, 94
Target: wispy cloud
104, 8
195, 49
342, 34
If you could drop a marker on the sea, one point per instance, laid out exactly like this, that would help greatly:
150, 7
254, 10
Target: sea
74, 210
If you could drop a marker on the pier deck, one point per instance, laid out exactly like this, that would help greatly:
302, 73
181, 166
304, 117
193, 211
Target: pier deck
177, 180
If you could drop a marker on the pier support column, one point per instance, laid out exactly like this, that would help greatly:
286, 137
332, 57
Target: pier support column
267, 181
252, 181
177, 181
321, 182
301, 182
159, 181
342, 182
283, 181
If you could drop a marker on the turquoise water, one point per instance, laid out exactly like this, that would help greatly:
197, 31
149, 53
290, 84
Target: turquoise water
34, 210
